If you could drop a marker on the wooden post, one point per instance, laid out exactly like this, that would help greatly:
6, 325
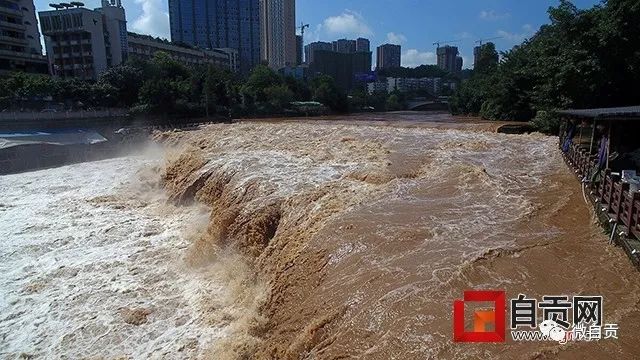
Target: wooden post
581, 129
609, 143
593, 135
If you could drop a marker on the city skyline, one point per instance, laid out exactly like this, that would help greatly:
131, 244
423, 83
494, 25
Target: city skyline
416, 25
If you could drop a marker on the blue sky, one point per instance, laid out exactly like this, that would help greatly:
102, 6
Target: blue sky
414, 24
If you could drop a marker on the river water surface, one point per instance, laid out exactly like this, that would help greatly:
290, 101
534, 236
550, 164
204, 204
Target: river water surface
91, 265
329, 238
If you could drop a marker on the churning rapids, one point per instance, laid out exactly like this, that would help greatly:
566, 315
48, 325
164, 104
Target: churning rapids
323, 239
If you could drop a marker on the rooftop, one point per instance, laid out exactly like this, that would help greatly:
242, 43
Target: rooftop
627, 112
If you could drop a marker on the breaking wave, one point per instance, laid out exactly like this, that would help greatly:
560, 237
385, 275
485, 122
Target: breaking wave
365, 235
292, 240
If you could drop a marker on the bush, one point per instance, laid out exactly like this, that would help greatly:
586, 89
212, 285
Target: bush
547, 122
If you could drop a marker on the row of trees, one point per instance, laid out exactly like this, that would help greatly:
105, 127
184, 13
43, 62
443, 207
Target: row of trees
163, 86
583, 58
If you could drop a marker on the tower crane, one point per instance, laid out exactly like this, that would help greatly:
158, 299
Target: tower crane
481, 41
302, 27
437, 43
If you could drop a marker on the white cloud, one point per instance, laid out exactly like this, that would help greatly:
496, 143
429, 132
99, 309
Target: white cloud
349, 23
527, 32
465, 35
492, 15
313, 34
414, 57
467, 63
397, 39
153, 20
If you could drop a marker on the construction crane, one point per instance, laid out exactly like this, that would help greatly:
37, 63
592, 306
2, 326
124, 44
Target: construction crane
481, 41
437, 43
302, 27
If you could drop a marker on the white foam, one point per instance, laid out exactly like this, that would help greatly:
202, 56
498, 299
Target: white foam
68, 266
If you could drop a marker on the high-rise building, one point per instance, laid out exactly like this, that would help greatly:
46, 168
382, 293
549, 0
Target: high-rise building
210, 24
448, 58
278, 32
299, 50
389, 56
310, 50
342, 67
344, 46
477, 51
83, 43
459, 64
20, 47
363, 45
476, 55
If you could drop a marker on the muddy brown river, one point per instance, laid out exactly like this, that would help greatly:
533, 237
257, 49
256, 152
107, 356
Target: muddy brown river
352, 238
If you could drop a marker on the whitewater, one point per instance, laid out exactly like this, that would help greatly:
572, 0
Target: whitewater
301, 239
91, 264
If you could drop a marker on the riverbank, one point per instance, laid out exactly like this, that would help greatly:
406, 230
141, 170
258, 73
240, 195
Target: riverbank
365, 232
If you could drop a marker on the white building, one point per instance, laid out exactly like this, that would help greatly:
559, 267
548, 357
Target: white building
378, 86
432, 85
278, 33
83, 43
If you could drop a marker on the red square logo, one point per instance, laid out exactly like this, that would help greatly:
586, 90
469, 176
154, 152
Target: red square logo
481, 319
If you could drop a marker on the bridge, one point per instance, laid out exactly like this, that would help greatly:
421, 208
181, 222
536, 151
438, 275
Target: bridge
422, 105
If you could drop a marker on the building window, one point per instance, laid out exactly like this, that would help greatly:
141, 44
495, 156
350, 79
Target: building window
46, 23
57, 25
77, 20
66, 21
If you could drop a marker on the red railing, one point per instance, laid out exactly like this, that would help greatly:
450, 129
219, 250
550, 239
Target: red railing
613, 196
635, 220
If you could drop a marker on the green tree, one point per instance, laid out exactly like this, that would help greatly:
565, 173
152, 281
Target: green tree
582, 58
217, 90
393, 103
167, 87
300, 90
487, 58
126, 80
261, 78
279, 97
325, 91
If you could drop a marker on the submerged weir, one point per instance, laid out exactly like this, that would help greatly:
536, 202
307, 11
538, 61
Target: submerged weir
365, 233
302, 239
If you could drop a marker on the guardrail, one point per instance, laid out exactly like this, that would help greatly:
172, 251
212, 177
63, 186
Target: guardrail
615, 199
